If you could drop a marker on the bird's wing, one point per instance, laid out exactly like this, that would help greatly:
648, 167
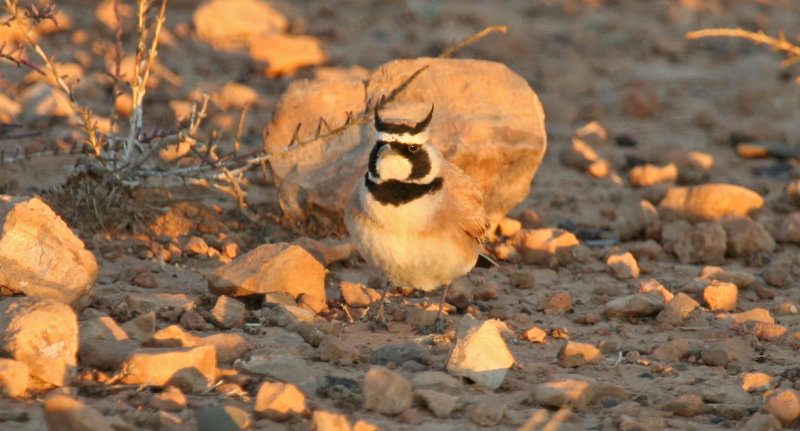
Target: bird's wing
467, 197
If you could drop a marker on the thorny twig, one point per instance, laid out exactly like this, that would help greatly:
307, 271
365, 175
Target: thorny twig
472, 39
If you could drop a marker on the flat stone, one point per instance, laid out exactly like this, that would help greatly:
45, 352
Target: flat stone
480, 353
559, 302
64, 413
727, 394
753, 315
534, 335
141, 327
440, 404
229, 346
157, 366
337, 351
42, 334
229, 24
160, 303
721, 296
105, 354
282, 366
286, 53
785, 405
171, 399
678, 309
742, 280
704, 242
14, 379
329, 421
279, 401
488, 413
574, 391
672, 351
278, 267
386, 391
648, 174
710, 201
573, 354
228, 313
101, 328
40, 256
686, 405
636, 305
217, 417
438, 381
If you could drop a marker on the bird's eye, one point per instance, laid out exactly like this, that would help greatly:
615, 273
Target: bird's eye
413, 148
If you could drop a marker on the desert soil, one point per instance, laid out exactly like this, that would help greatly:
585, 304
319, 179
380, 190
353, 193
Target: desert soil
624, 64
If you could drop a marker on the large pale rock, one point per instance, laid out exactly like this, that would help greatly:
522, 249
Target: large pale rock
232, 23
42, 334
386, 391
64, 413
709, 201
701, 243
487, 121
278, 267
157, 366
40, 256
480, 353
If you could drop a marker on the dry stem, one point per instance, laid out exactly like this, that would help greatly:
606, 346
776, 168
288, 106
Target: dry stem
472, 39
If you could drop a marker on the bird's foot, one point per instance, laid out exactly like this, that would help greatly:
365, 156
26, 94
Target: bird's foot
376, 318
437, 327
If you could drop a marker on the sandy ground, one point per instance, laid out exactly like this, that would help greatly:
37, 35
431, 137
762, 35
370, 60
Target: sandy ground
624, 64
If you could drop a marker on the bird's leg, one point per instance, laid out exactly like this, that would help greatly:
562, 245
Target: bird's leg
438, 323
377, 317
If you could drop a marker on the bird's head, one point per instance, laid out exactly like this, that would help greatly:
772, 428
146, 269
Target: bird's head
403, 151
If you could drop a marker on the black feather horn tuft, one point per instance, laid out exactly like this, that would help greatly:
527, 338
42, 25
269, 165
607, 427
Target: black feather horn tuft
414, 129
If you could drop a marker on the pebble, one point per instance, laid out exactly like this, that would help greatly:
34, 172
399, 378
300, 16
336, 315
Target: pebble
438, 381
192, 320
386, 391
14, 379
573, 354
171, 399
746, 236
279, 401
786, 229
508, 226
580, 155
228, 345
678, 309
727, 394
689, 405
636, 305
742, 280
704, 242
42, 334
196, 246
440, 404
33, 236
223, 23
784, 309
215, 417
763, 422
559, 302
647, 249
157, 366
358, 295
623, 265
534, 335
141, 328
228, 313
280, 267
522, 279
159, 303
333, 350
776, 275
709, 201
757, 382
480, 353
721, 296
653, 285
785, 405
574, 391
322, 420
547, 246
286, 53
281, 365
488, 413
647, 174
105, 354
65, 413
755, 314
672, 351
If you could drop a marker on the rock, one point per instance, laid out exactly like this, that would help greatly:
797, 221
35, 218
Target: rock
141, 328
678, 309
14, 379
580, 155
672, 351
746, 237
271, 268
716, 356
105, 354
721, 296
776, 275
358, 295
508, 226
574, 391
229, 346
704, 242
228, 313
639, 99
279, 401
488, 413
636, 305
228, 24
755, 315
386, 391
286, 53
647, 174
101, 328
43, 100
709, 201
437, 381
328, 421
158, 366
440, 404
282, 366
487, 121
535, 335
333, 350
785, 405
648, 249
522, 279
762, 330
40, 256
171, 399
634, 219
686, 405
196, 246
763, 422
742, 280
159, 303
623, 265
549, 246
574, 354
217, 417
764, 293
757, 382
653, 285
64, 413
480, 353
236, 95
560, 302
784, 309
42, 334
786, 229
726, 394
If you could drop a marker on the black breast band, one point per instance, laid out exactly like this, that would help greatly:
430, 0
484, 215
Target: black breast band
395, 192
